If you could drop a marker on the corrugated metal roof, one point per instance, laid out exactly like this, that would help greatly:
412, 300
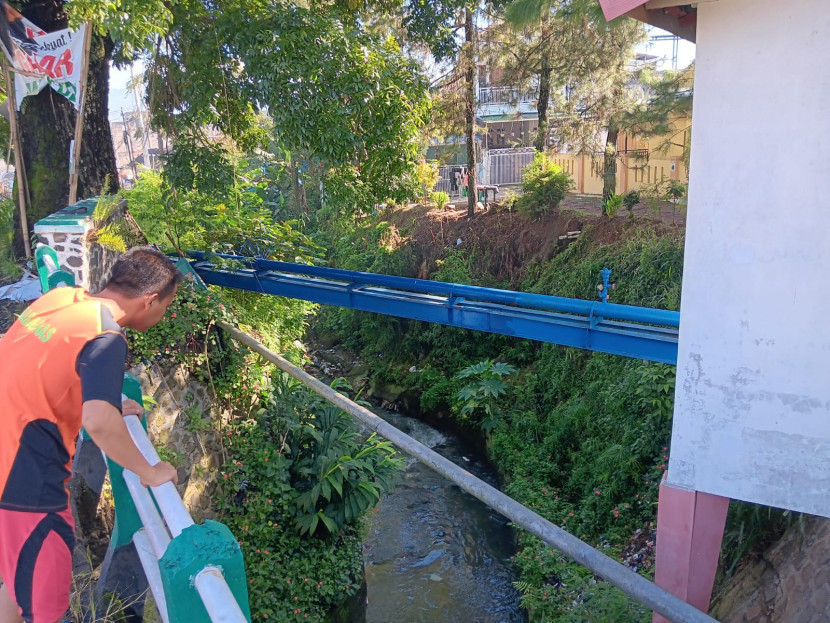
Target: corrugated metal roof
615, 8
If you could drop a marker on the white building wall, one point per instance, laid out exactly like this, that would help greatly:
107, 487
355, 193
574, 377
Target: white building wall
752, 412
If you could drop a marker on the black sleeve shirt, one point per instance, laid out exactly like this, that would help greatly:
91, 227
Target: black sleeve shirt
101, 364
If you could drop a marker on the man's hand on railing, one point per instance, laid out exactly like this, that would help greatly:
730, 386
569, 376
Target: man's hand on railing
158, 474
108, 429
131, 407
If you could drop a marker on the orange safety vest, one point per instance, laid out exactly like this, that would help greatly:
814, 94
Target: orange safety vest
40, 397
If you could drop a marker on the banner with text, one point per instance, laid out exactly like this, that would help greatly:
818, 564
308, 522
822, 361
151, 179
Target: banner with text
53, 58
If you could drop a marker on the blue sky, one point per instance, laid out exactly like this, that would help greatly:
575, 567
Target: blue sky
120, 97
663, 49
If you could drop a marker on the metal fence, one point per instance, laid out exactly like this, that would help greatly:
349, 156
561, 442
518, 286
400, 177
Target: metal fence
504, 95
507, 165
451, 179
159, 530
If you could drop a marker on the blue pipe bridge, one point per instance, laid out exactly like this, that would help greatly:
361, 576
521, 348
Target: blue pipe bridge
638, 332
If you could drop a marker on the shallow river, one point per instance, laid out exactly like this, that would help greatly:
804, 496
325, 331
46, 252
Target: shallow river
433, 552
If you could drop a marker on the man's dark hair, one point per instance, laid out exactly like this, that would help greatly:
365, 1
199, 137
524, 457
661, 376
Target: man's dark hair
143, 270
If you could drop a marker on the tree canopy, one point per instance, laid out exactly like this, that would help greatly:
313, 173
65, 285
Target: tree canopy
336, 93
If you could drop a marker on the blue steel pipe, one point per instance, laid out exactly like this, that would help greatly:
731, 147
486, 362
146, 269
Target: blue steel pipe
594, 309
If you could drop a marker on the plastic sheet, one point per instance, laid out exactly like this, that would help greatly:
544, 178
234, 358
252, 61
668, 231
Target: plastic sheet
27, 289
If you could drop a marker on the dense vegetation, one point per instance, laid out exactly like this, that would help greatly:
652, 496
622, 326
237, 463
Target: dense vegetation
298, 478
579, 437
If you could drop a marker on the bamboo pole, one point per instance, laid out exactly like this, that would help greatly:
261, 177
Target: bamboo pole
79, 122
18, 157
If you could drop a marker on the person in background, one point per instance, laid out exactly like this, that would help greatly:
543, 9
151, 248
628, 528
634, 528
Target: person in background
62, 367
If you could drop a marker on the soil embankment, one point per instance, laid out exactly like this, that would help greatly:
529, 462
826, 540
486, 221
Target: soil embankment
509, 242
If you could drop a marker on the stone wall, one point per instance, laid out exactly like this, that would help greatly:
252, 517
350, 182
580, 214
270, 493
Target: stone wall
74, 241
788, 583
70, 250
185, 425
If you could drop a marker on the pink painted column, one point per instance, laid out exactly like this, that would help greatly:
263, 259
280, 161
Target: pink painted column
689, 534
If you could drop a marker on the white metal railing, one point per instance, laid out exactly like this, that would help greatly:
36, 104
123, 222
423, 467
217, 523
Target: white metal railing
152, 540
504, 95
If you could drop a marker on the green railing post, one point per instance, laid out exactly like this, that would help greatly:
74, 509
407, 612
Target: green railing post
199, 546
127, 521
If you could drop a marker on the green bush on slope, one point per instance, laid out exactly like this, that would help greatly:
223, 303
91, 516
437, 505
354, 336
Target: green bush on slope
579, 437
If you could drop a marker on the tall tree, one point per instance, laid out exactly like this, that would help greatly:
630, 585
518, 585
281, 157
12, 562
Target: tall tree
339, 95
436, 24
470, 108
665, 112
47, 122
581, 63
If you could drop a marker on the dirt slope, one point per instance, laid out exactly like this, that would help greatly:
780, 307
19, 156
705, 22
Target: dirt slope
507, 240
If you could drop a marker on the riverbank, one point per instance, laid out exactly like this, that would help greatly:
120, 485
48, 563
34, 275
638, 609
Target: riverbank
581, 438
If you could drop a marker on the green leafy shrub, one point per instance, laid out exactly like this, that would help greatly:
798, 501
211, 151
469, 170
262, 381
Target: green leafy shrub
509, 200
441, 199
218, 217
612, 204
631, 199
656, 194
456, 267
480, 396
426, 177
298, 484
337, 477
544, 185
189, 335
185, 330
675, 190
565, 591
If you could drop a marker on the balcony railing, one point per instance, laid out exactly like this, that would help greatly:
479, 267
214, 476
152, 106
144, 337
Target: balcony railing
505, 95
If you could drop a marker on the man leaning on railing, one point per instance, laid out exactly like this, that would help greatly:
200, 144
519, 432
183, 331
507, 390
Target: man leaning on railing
62, 367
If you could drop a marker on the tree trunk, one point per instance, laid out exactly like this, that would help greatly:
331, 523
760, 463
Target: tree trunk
609, 164
541, 142
470, 102
47, 126
298, 187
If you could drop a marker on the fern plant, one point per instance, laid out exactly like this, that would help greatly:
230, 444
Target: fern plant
113, 233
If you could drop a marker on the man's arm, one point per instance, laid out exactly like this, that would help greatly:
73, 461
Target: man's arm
100, 365
105, 425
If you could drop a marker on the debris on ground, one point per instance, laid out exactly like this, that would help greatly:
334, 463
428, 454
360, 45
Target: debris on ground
24, 290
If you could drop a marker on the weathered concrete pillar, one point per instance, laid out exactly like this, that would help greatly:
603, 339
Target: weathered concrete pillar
752, 405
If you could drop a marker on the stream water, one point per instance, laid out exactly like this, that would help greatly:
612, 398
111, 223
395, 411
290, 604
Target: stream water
433, 552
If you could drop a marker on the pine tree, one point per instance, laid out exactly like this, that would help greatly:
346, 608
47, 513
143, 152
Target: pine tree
582, 65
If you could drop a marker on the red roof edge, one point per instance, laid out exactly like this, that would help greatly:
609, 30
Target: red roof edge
614, 8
